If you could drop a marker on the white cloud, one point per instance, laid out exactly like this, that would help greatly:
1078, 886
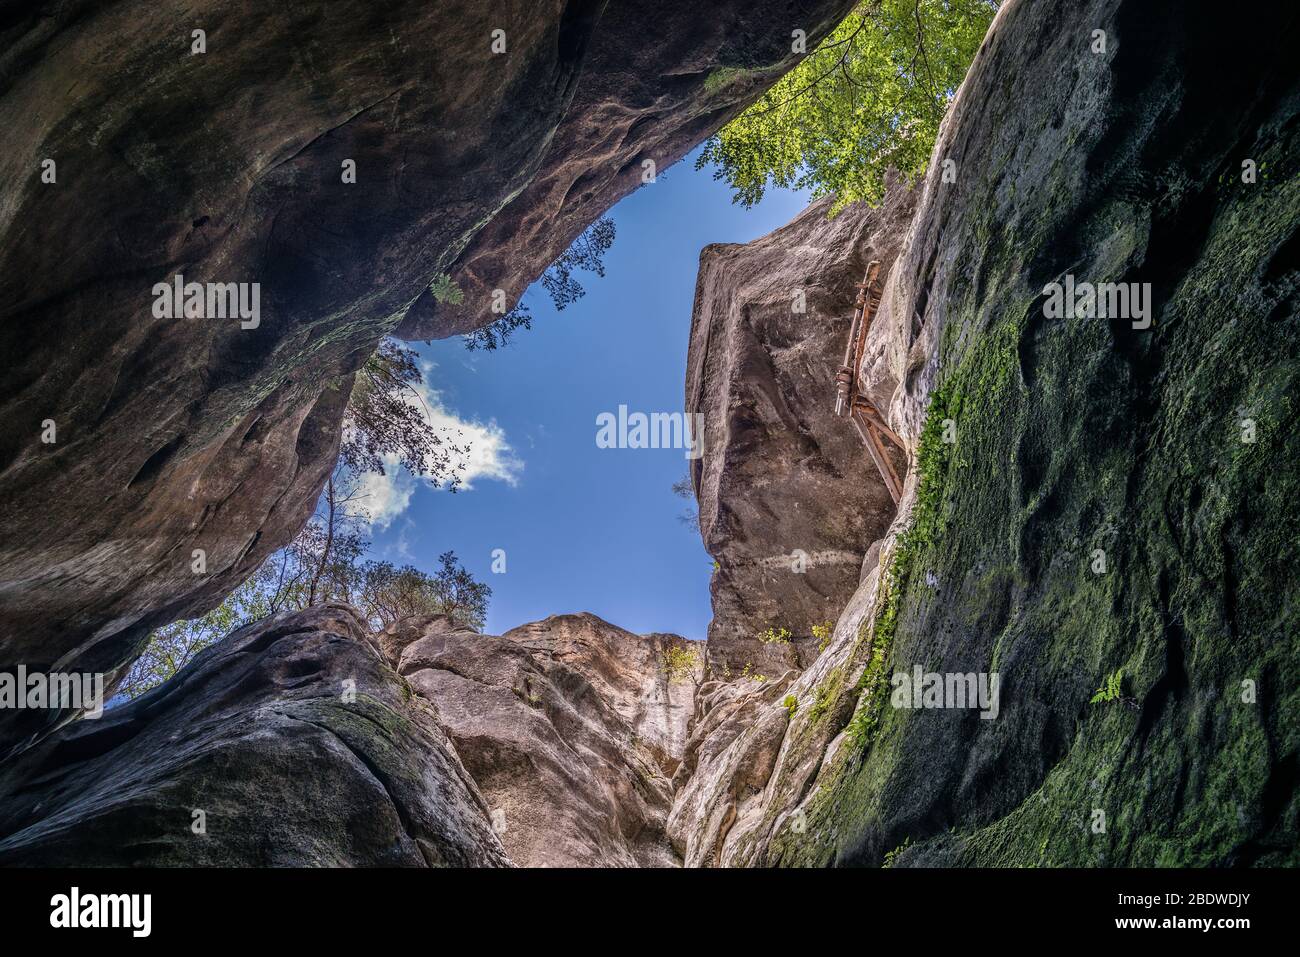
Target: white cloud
489, 456
403, 545
381, 498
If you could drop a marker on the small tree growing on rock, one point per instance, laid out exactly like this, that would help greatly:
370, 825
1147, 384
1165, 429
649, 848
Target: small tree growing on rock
683, 662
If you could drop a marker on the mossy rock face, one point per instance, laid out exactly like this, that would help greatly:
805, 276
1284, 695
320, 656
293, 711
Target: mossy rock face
1168, 453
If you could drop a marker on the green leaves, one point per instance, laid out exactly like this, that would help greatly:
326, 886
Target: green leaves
382, 592
870, 97
682, 662
446, 290
1111, 689
173, 646
325, 561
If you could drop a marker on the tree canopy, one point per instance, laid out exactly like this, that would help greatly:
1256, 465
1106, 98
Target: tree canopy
303, 574
869, 98
587, 252
326, 560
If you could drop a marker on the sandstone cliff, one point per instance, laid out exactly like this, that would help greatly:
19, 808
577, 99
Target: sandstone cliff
786, 507
1163, 450
569, 726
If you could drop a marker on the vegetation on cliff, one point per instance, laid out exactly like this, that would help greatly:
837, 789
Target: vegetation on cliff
326, 560
871, 97
586, 253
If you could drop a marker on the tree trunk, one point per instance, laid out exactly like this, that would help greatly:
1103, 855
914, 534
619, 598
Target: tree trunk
329, 540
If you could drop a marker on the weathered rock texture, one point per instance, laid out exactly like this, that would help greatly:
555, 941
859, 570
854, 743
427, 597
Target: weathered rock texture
569, 726
296, 741
303, 746
782, 483
626, 670
657, 79
735, 739
1074, 435
174, 435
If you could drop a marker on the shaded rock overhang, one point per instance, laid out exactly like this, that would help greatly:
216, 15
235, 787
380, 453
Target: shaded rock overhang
132, 159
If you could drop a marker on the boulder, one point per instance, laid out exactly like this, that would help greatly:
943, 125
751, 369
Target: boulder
290, 743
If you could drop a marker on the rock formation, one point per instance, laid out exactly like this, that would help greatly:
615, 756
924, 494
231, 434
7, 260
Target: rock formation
304, 740
569, 726
786, 507
736, 736
342, 160
1114, 504
1099, 511
290, 743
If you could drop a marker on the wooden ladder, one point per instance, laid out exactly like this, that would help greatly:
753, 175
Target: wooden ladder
849, 400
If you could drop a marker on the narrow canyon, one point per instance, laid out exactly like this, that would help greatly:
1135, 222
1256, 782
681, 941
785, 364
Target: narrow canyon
1028, 445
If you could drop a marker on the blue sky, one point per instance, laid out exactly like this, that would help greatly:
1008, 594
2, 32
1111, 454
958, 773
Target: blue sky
583, 528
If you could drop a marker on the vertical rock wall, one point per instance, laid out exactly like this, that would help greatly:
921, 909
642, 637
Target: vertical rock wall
788, 500
1116, 500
